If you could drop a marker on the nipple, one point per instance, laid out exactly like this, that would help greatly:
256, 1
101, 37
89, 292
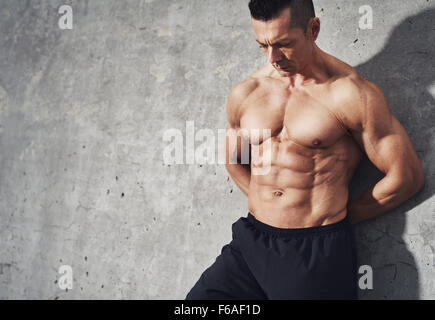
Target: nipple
317, 142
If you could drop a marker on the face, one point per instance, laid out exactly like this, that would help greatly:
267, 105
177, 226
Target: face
288, 48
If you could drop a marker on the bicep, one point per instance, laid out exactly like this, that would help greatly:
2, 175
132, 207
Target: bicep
379, 129
390, 151
231, 145
384, 139
237, 146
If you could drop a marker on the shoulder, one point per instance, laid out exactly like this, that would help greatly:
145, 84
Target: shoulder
238, 94
359, 100
348, 87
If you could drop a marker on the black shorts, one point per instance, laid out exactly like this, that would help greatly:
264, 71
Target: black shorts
265, 262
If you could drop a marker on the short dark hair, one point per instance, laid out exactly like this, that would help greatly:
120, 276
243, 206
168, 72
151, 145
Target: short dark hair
301, 11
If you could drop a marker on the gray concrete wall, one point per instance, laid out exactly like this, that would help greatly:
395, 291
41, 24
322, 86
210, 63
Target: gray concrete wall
83, 113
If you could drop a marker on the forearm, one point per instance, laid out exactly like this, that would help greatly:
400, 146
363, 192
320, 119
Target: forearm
381, 198
241, 175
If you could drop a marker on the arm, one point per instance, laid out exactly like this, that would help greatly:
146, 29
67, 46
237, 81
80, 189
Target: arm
240, 173
389, 148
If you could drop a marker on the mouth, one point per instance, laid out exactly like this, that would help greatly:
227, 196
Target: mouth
283, 68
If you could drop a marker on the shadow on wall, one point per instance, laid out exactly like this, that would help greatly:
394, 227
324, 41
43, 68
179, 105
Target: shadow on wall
404, 70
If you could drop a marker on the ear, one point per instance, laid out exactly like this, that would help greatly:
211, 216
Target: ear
313, 29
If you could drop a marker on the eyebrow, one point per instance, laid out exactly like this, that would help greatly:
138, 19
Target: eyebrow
280, 41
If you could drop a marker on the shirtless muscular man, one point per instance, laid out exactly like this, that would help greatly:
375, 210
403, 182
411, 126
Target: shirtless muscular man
297, 241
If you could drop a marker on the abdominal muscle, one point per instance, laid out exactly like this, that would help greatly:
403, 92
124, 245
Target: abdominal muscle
305, 187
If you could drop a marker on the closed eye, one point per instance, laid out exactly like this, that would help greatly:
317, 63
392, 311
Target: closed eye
288, 45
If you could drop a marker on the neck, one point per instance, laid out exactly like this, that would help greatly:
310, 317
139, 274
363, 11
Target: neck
314, 69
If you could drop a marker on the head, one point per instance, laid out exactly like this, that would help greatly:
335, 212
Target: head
286, 31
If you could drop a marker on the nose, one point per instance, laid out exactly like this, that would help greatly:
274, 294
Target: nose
274, 55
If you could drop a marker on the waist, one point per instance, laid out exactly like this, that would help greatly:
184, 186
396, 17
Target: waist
341, 223
296, 218
278, 195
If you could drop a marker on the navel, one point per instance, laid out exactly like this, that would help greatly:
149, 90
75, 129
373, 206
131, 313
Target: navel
277, 193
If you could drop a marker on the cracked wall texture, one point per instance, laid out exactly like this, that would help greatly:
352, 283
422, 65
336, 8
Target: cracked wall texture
82, 116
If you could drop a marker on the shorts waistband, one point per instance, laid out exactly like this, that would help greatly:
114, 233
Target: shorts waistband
336, 226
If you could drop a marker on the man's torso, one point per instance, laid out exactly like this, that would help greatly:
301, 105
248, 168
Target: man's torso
313, 155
